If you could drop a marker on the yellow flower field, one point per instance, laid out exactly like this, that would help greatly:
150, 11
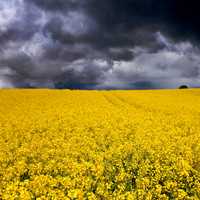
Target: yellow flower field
99, 144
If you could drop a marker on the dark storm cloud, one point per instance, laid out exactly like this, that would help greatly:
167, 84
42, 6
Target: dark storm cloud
99, 44
172, 16
122, 16
58, 5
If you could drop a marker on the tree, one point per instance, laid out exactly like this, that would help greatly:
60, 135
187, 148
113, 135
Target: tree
183, 87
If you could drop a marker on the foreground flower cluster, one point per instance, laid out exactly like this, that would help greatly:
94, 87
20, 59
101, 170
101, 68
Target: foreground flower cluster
99, 144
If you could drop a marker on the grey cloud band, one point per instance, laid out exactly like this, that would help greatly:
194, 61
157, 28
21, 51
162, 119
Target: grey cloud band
93, 44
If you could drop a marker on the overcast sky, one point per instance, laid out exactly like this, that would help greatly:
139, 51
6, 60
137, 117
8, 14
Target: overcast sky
122, 44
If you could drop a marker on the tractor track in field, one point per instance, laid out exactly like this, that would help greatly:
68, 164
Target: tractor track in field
117, 101
135, 105
111, 101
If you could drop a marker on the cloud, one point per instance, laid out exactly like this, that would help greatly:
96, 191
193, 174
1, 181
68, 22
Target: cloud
99, 44
174, 64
